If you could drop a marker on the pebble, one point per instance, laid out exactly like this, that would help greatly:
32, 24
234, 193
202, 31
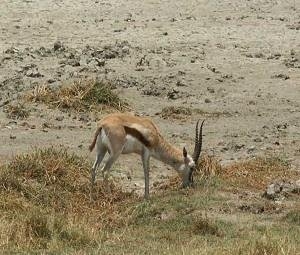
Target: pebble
60, 118
33, 74
58, 45
211, 90
251, 149
12, 136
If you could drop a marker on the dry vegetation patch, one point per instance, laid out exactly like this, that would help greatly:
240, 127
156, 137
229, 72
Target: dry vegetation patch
45, 206
253, 173
183, 112
79, 96
202, 225
45, 202
258, 172
179, 112
17, 111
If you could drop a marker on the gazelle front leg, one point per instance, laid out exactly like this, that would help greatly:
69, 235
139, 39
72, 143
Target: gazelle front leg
146, 159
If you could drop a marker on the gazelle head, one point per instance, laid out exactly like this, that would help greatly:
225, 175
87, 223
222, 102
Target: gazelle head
190, 163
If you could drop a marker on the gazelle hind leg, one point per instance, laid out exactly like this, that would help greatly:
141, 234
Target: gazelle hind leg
101, 151
105, 170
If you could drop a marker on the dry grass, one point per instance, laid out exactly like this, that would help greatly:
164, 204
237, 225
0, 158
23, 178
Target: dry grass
253, 174
79, 96
208, 166
293, 217
45, 207
41, 94
45, 201
173, 112
202, 225
50, 177
182, 112
16, 111
257, 173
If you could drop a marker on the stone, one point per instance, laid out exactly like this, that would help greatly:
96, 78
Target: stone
60, 118
58, 46
34, 74
281, 189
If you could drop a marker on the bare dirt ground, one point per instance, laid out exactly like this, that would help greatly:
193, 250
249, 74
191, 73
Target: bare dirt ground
234, 63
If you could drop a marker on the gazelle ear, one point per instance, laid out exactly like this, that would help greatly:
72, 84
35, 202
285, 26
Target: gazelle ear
184, 152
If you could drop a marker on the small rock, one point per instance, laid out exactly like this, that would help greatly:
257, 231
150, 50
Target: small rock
165, 33
34, 74
180, 84
211, 90
12, 136
60, 118
280, 189
251, 149
239, 146
272, 190
46, 125
58, 46
51, 81
84, 118
257, 139
281, 76
100, 62
207, 100
173, 94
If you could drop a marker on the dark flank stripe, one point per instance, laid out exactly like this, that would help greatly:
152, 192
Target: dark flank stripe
138, 135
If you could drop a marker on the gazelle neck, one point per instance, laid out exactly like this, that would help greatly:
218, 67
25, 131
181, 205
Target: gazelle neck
168, 154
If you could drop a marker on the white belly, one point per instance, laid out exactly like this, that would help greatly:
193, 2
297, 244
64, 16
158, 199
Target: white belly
132, 145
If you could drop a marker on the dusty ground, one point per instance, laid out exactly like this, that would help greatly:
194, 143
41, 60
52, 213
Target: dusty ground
237, 61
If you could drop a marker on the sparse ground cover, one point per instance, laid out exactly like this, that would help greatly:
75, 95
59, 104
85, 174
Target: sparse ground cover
46, 208
84, 95
234, 63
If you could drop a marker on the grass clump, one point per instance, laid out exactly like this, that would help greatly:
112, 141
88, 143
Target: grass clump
293, 217
79, 96
54, 177
202, 225
268, 242
17, 111
175, 112
257, 173
182, 112
45, 195
208, 166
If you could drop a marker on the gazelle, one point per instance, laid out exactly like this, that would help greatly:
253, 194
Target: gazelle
121, 133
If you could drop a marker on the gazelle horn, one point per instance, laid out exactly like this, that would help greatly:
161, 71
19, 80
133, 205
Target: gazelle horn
198, 142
